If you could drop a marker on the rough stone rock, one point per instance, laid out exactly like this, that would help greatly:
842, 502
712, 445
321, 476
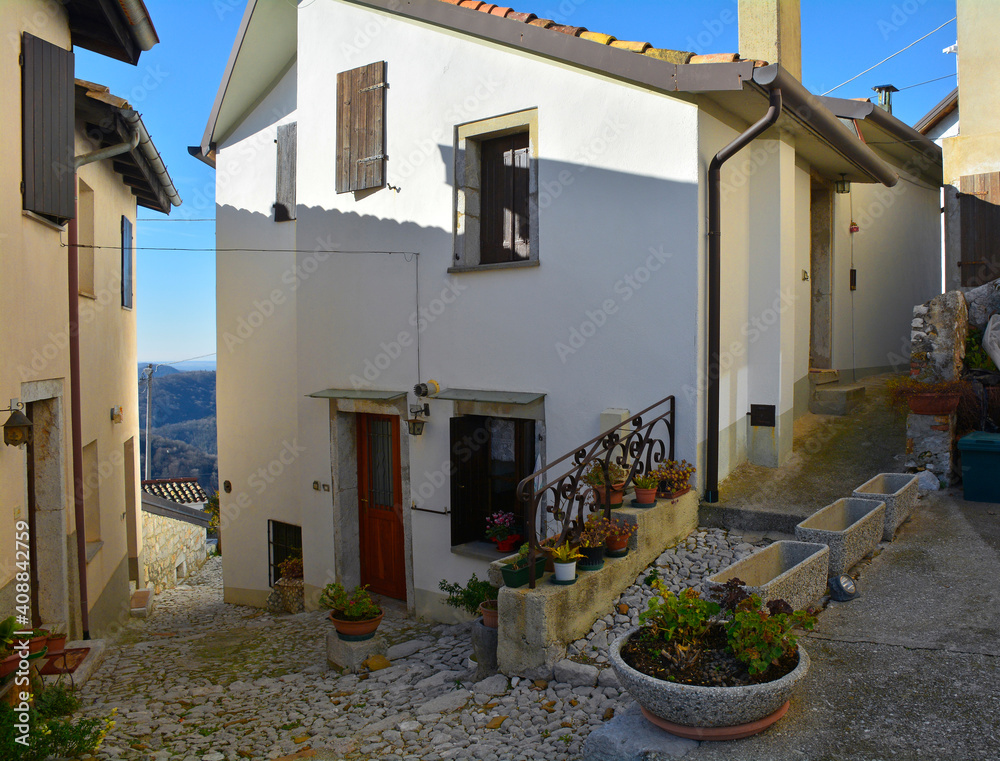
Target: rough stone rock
406, 649
576, 674
937, 347
983, 302
376, 662
927, 481
629, 737
493, 686
450, 701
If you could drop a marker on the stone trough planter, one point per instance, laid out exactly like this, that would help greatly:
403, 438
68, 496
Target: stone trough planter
696, 711
795, 572
851, 529
898, 491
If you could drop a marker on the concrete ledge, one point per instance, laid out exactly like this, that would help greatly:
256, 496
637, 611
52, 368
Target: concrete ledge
836, 400
795, 572
537, 624
851, 529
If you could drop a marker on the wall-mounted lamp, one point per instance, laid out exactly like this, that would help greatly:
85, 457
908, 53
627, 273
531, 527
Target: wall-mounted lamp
17, 429
842, 185
415, 425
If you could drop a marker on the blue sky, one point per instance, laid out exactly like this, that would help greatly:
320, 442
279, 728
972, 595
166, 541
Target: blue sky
174, 85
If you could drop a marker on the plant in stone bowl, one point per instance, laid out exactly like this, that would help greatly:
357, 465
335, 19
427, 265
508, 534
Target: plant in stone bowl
712, 670
355, 615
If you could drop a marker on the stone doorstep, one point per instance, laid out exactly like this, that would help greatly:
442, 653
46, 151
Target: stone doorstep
822, 377
141, 604
537, 624
87, 668
836, 400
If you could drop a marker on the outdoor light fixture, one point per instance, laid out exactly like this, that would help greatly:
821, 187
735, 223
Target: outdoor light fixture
416, 424
17, 429
842, 185
842, 588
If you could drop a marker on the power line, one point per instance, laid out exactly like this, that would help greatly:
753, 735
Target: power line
893, 55
938, 79
179, 361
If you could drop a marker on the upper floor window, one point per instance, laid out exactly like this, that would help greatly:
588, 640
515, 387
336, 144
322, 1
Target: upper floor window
497, 193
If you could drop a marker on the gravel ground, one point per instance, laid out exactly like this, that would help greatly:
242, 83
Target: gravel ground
201, 680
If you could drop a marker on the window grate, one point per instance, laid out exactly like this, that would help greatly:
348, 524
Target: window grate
283, 541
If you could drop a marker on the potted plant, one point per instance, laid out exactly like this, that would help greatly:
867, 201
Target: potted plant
616, 543
56, 643
355, 616
712, 670
924, 397
475, 597
37, 640
8, 658
291, 568
594, 477
595, 531
645, 490
500, 529
515, 570
674, 478
564, 558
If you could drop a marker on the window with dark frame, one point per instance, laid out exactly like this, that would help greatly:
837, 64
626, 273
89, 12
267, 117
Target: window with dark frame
48, 184
504, 225
126, 262
361, 154
283, 541
489, 458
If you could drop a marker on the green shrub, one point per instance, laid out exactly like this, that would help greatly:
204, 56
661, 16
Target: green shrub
56, 701
469, 596
59, 738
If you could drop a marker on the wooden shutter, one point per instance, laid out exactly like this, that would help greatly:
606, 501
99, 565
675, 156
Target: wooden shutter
470, 473
979, 209
284, 195
504, 193
126, 262
47, 95
361, 127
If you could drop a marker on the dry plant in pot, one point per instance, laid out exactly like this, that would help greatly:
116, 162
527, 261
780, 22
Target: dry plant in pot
616, 543
594, 477
595, 531
674, 478
645, 489
924, 397
712, 670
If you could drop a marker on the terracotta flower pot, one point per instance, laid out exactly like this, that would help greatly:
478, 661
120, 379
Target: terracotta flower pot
56, 643
617, 493
356, 631
9, 665
490, 614
933, 404
36, 643
509, 544
672, 494
645, 496
616, 545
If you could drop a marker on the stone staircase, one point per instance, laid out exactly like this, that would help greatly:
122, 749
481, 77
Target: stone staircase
830, 397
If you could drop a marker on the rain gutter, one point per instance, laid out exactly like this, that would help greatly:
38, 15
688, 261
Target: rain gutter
152, 155
715, 284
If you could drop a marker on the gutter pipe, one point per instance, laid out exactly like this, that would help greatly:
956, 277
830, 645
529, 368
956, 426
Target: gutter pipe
76, 416
106, 153
715, 284
140, 24
152, 155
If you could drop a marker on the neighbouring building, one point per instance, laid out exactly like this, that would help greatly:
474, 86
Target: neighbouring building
519, 210
76, 161
174, 530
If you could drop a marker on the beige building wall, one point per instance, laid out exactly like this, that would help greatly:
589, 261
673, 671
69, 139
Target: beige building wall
34, 347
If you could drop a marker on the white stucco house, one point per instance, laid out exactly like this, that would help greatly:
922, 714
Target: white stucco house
520, 211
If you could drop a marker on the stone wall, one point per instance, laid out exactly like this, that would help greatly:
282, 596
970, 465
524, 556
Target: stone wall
983, 303
169, 543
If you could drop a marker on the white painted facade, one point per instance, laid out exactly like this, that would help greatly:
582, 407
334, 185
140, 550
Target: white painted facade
356, 292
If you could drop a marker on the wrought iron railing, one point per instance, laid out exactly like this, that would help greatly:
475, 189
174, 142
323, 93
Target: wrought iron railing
568, 498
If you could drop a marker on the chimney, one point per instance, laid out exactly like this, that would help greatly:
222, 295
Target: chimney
770, 31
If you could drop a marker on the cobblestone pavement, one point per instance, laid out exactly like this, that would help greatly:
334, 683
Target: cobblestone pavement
201, 680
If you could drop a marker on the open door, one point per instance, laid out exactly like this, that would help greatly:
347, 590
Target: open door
380, 506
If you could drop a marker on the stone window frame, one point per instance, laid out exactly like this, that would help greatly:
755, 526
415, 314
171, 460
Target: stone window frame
468, 138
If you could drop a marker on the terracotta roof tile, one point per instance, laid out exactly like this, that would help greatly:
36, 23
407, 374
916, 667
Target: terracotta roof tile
186, 491
642, 48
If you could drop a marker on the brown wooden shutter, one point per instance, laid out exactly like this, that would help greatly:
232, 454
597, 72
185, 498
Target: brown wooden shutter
284, 195
979, 208
503, 199
47, 95
361, 127
126, 262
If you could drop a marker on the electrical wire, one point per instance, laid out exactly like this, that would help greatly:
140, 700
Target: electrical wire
892, 56
938, 79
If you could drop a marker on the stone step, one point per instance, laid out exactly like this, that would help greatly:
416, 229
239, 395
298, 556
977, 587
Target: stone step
822, 377
836, 400
141, 603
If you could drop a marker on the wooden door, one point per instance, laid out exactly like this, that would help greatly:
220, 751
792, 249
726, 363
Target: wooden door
380, 506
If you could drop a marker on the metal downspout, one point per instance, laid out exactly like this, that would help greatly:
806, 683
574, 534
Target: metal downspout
106, 153
715, 286
76, 417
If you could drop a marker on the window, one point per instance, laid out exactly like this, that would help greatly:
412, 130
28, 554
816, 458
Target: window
489, 456
284, 194
496, 224
361, 128
47, 113
126, 262
283, 541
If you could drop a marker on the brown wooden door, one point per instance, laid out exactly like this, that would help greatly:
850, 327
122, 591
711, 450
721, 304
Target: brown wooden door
380, 505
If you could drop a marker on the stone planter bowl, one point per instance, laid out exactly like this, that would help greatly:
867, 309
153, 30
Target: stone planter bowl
795, 572
851, 529
898, 491
693, 706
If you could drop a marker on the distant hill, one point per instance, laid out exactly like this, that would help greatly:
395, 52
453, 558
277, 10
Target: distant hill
183, 430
